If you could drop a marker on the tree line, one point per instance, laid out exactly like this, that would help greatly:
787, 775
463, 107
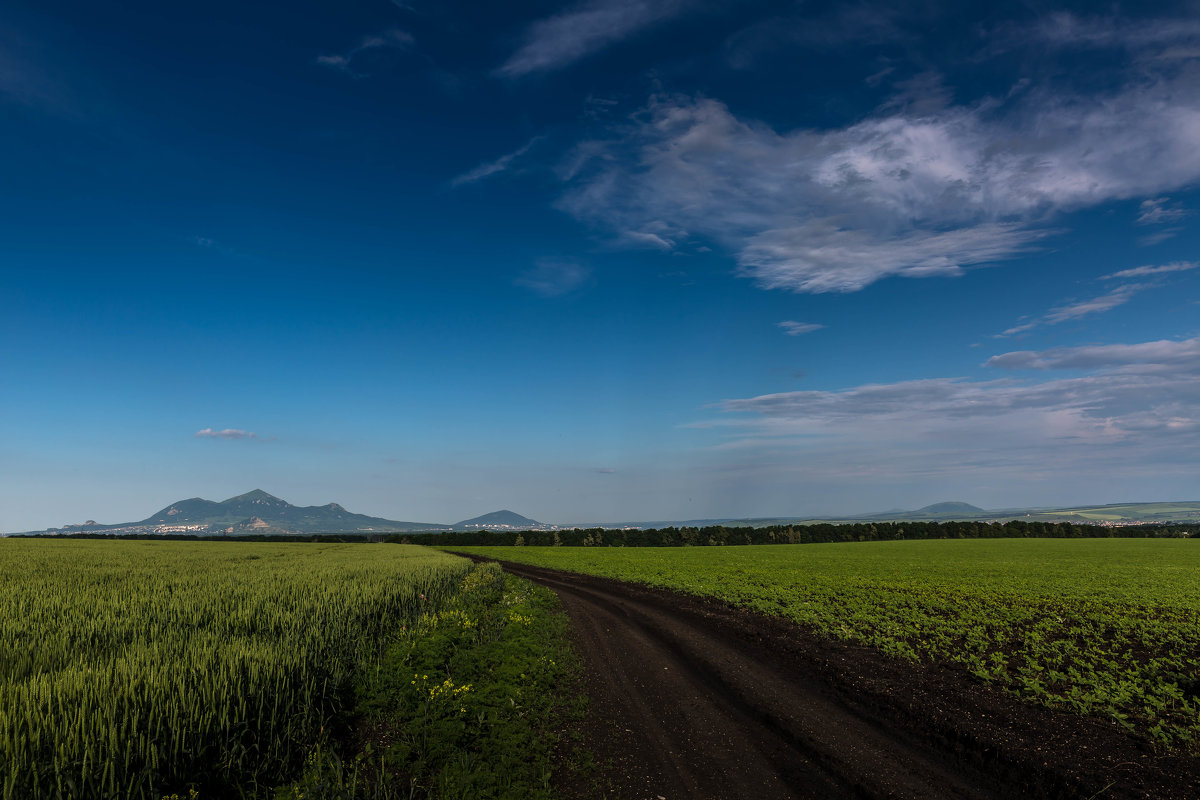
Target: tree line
796, 534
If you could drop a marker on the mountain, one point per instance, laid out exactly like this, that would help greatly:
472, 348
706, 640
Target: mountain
254, 512
498, 519
947, 509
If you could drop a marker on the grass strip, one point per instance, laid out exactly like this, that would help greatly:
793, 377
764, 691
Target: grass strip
465, 703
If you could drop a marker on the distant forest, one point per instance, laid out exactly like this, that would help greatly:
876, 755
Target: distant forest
800, 534
720, 535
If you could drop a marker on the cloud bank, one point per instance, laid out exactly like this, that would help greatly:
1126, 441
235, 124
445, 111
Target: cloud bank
1136, 407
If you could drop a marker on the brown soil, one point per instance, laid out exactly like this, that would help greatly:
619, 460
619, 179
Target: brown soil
691, 698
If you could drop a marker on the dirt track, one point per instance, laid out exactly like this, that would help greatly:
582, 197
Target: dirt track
693, 699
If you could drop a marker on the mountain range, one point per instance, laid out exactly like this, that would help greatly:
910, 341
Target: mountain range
258, 512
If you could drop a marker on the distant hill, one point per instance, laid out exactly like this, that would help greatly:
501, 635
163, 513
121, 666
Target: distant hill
947, 509
253, 512
498, 519
1115, 514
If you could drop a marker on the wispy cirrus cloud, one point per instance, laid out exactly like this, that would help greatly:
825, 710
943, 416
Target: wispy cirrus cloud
811, 28
1162, 356
489, 168
1151, 270
793, 328
364, 57
557, 41
1114, 298
920, 188
1081, 308
227, 434
1158, 211
1162, 37
24, 82
554, 277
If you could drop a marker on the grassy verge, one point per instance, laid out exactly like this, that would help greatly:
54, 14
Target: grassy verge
463, 704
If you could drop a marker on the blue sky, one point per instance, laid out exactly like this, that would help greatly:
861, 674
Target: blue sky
605, 260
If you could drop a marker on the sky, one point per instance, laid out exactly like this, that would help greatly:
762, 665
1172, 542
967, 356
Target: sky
597, 261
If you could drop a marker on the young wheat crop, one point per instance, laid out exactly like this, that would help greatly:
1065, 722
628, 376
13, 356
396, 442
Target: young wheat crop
135, 669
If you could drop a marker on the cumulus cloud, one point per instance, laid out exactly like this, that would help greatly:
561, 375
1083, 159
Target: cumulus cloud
227, 433
554, 277
792, 328
584, 29
915, 190
501, 164
358, 60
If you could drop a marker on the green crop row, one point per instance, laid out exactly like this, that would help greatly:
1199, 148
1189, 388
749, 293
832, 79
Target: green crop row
1101, 627
137, 669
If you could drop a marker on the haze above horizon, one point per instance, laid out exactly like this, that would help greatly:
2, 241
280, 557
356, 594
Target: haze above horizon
605, 259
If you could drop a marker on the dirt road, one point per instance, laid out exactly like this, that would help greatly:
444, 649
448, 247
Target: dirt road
693, 699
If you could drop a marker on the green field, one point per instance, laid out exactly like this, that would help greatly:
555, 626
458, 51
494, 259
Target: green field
144, 669
1099, 626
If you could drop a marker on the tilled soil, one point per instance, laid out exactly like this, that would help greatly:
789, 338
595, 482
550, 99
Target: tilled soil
691, 698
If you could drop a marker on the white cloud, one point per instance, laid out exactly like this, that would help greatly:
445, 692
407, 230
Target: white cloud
501, 164
554, 277
227, 433
792, 328
1138, 408
1082, 308
1140, 272
1165, 356
564, 38
923, 190
1157, 212
1161, 36
370, 47
819, 257
1157, 237
658, 241
1114, 298
810, 28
